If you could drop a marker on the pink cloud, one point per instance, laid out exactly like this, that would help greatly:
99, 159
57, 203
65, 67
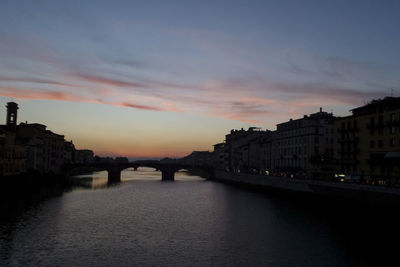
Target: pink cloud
61, 96
249, 99
35, 94
107, 81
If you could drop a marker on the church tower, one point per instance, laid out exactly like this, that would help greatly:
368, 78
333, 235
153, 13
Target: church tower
12, 109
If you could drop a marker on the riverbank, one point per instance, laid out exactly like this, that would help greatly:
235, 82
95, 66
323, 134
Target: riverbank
364, 194
31, 183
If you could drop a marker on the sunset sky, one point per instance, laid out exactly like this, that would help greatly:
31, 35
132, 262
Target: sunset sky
163, 78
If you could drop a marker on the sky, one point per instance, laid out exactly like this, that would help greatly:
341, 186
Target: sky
163, 78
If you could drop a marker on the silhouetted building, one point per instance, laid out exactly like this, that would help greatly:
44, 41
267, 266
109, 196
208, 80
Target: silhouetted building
69, 152
266, 153
31, 147
220, 156
243, 150
44, 149
121, 159
84, 156
368, 142
199, 158
12, 111
12, 155
304, 147
99, 159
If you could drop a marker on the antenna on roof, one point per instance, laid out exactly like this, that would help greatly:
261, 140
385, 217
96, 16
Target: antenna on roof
391, 92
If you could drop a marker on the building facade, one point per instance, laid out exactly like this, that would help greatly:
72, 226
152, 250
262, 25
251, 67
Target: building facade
44, 149
220, 156
244, 150
12, 155
84, 156
30, 147
303, 148
368, 142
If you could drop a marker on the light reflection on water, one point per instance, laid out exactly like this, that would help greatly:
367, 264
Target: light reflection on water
191, 222
99, 180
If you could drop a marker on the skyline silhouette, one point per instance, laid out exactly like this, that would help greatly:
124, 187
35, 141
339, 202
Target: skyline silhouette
156, 79
199, 133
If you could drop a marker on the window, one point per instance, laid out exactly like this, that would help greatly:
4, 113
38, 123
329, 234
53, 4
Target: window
380, 124
380, 120
372, 121
392, 142
371, 144
380, 143
372, 126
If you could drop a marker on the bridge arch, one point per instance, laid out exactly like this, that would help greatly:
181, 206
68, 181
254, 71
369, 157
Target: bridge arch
114, 168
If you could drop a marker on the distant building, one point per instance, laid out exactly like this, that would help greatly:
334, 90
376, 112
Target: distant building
304, 147
44, 149
122, 159
69, 152
11, 119
367, 143
12, 155
30, 147
220, 156
99, 159
265, 154
84, 156
199, 158
243, 149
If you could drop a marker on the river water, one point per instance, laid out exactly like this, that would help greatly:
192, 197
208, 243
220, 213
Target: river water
190, 222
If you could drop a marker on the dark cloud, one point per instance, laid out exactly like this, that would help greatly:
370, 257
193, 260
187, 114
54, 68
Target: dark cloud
129, 105
34, 80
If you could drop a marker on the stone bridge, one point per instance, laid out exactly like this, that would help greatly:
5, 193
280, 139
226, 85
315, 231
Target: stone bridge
114, 168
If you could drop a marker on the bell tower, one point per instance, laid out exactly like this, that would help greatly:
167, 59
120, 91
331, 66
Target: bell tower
12, 109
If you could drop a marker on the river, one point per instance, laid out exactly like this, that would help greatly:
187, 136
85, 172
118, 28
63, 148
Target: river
143, 221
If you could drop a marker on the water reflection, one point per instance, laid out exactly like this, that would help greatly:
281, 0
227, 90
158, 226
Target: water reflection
97, 180
190, 222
